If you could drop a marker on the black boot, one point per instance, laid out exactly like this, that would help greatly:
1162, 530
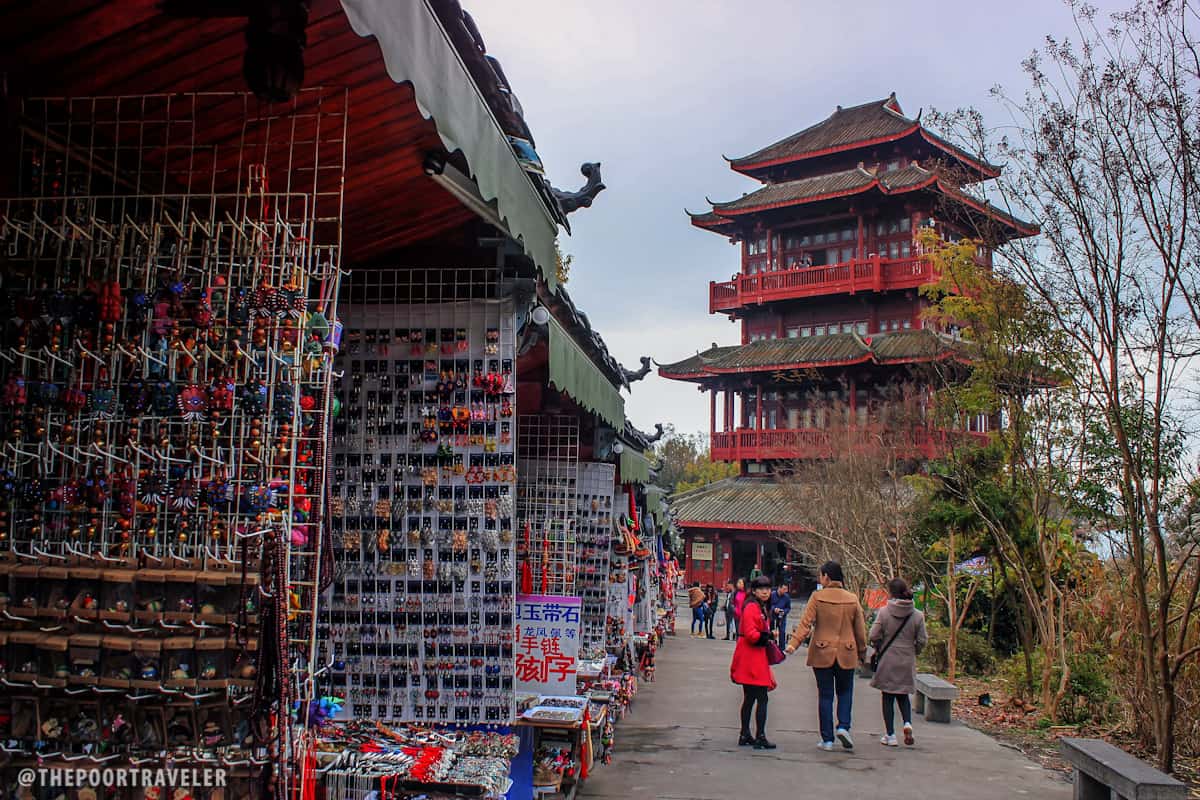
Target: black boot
761, 743
744, 739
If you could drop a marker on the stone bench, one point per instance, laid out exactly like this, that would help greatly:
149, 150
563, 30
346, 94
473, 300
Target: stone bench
935, 697
1105, 772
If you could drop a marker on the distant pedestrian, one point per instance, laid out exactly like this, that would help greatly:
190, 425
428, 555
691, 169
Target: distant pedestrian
834, 618
781, 606
696, 603
750, 667
898, 636
710, 609
730, 614
739, 599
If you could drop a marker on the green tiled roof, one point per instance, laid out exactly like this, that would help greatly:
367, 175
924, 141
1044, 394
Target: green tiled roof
833, 184
756, 503
838, 348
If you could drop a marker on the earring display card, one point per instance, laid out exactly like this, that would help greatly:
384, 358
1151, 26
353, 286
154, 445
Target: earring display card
418, 626
594, 531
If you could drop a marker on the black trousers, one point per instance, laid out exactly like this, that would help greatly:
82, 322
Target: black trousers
751, 696
889, 717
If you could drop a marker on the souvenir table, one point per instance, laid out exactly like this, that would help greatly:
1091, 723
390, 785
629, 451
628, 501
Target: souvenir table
410, 761
563, 743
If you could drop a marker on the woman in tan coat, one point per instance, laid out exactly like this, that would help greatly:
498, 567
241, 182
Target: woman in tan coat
834, 618
899, 636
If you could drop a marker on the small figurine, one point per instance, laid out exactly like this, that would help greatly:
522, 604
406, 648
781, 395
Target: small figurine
181, 672
185, 604
149, 672
208, 672
87, 601
208, 608
120, 606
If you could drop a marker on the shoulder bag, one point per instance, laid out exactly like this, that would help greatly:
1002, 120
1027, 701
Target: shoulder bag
878, 654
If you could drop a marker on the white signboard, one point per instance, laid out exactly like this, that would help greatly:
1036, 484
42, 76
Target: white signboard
702, 551
546, 648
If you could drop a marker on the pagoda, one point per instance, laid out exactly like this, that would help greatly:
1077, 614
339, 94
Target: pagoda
833, 336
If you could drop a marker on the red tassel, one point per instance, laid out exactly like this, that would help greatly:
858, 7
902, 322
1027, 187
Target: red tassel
526, 570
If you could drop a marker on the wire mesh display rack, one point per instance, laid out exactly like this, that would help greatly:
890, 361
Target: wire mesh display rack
170, 272
424, 480
548, 469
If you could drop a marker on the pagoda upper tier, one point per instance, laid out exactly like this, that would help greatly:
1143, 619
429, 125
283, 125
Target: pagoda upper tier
861, 161
853, 134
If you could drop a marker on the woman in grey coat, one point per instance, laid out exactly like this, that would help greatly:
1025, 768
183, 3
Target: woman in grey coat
901, 625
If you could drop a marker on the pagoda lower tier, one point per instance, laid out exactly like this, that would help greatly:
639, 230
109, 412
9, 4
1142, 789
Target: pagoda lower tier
812, 397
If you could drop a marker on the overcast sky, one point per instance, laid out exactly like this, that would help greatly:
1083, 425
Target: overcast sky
659, 90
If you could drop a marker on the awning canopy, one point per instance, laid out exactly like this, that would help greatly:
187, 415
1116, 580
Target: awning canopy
417, 50
635, 467
573, 372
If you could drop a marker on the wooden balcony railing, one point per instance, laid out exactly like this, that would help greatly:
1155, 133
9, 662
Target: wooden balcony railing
804, 443
861, 275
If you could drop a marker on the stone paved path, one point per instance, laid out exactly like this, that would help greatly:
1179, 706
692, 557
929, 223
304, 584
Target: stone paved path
679, 742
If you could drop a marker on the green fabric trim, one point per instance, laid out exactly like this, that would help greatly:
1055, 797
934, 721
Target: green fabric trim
635, 467
571, 371
654, 504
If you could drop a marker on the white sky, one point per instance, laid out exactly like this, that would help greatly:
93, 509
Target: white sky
659, 90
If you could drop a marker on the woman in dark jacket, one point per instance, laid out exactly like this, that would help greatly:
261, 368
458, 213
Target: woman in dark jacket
710, 609
750, 667
904, 627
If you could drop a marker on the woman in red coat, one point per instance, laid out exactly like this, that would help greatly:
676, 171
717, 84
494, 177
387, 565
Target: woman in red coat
750, 667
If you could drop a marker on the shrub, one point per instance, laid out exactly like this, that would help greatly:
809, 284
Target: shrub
974, 655
1089, 695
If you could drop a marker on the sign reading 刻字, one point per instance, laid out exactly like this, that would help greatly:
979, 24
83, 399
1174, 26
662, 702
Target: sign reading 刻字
546, 645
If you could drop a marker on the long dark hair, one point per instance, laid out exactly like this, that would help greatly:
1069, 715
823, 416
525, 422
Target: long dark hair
761, 582
898, 589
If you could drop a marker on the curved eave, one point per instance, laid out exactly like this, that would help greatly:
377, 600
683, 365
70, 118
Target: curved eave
982, 167
874, 184
745, 168
740, 526
795, 366
987, 209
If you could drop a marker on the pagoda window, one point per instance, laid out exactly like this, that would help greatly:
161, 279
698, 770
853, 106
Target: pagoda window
861, 328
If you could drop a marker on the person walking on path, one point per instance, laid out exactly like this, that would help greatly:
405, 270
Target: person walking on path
781, 606
710, 609
750, 667
834, 618
730, 624
898, 636
696, 603
739, 599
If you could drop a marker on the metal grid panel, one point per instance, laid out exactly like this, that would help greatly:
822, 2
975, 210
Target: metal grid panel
548, 449
168, 362
421, 611
594, 532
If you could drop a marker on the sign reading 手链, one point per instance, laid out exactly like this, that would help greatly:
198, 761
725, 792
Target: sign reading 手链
546, 646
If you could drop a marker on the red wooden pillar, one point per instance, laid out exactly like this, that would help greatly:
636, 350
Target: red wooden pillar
729, 409
712, 415
770, 249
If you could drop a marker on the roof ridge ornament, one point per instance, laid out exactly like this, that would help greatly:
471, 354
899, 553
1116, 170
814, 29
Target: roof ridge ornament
569, 202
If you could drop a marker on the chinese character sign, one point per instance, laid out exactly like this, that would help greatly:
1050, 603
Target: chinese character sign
546, 644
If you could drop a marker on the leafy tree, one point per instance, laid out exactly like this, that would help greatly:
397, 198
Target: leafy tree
685, 462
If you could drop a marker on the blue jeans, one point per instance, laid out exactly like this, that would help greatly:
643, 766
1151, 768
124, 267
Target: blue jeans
698, 619
781, 621
833, 681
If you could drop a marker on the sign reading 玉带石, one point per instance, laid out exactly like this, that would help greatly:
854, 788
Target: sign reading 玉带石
546, 646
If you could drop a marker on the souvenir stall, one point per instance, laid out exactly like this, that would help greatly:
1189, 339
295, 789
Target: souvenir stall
165, 361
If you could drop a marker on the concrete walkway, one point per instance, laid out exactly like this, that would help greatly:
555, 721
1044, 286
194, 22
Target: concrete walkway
679, 742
